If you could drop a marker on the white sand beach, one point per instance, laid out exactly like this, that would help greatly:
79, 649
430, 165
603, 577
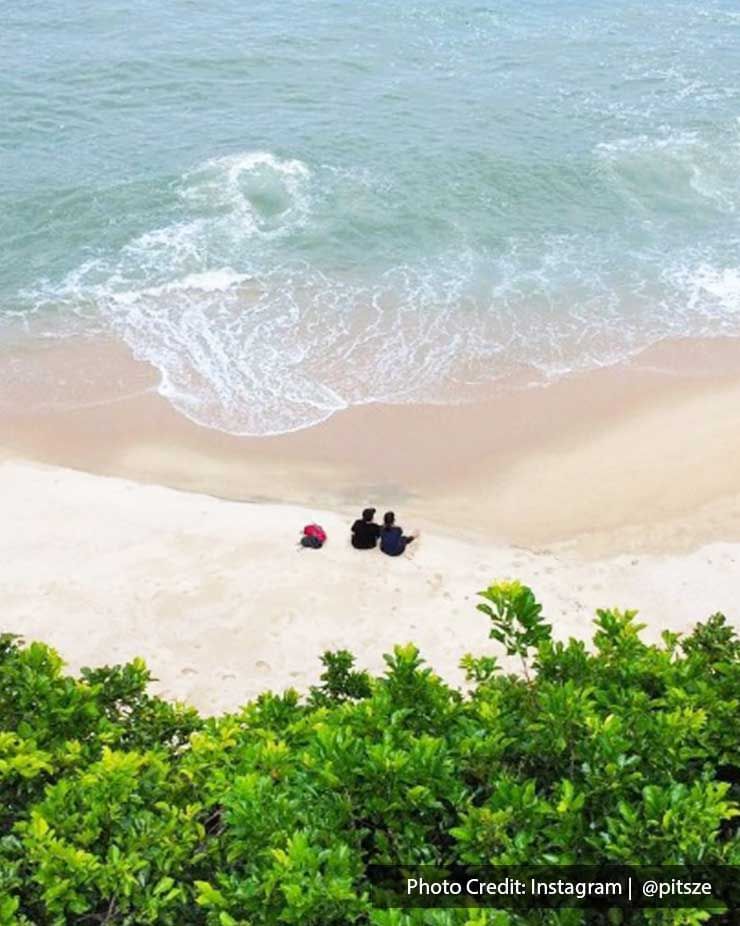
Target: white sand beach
222, 604
127, 530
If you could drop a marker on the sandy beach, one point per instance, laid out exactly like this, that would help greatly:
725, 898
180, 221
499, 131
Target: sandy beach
128, 531
222, 604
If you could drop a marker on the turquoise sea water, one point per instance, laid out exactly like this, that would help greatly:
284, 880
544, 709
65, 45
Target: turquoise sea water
293, 207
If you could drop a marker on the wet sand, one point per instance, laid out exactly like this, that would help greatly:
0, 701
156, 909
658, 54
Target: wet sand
638, 456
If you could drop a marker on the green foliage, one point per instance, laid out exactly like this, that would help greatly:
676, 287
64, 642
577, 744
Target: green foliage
118, 808
516, 619
340, 681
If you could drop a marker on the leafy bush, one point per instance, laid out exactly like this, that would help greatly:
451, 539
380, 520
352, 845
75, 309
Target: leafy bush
118, 808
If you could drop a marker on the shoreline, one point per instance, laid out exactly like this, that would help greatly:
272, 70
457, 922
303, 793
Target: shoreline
637, 457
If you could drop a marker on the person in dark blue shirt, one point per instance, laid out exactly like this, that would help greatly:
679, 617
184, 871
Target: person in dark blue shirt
392, 540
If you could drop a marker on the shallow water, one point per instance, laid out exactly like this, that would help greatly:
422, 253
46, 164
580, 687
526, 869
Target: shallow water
290, 208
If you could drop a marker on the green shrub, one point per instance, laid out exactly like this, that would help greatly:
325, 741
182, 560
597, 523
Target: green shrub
118, 808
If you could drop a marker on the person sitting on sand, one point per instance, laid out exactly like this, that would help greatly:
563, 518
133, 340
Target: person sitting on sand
365, 532
392, 540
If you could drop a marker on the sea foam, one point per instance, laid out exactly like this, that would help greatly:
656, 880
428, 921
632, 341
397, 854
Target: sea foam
251, 338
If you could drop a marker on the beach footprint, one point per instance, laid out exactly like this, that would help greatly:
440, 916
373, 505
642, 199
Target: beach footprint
436, 582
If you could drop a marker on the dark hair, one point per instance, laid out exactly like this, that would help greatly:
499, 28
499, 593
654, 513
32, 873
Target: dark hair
388, 518
368, 514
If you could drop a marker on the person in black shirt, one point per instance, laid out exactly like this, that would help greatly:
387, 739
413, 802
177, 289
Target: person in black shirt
392, 540
365, 532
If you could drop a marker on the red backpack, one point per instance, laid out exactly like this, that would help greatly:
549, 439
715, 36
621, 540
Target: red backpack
315, 531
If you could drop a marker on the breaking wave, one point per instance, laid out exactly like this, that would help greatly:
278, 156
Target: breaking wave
249, 339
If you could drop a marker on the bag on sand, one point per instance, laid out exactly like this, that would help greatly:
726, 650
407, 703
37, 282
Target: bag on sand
314, 536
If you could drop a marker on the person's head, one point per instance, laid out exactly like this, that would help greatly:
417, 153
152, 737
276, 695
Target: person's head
389, 519
368, 514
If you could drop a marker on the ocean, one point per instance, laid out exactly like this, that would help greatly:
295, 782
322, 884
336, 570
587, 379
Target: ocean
292, 208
